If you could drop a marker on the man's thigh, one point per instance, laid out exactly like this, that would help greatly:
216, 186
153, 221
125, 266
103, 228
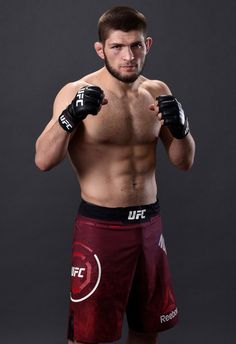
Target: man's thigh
152, 307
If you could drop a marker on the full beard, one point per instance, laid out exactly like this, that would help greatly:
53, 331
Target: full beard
124, 78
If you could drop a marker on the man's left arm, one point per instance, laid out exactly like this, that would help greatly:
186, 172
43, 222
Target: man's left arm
181, 152
175, 130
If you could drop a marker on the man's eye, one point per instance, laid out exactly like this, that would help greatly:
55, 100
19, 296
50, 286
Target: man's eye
116, 47
137, 45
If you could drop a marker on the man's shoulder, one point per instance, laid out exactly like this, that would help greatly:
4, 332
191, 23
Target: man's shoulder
86, 80
155, 87
72, 87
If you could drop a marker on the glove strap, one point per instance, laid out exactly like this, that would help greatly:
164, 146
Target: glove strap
67, 122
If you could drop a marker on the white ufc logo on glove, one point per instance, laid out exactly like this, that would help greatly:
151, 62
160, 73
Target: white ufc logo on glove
80, 101
66, 122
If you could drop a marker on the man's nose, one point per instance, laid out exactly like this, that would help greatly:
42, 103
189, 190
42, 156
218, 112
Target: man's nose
128, 54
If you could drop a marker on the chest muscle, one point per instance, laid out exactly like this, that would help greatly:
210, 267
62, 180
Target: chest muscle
123, 121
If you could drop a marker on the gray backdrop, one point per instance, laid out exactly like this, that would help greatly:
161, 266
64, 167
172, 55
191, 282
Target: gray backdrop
44, 45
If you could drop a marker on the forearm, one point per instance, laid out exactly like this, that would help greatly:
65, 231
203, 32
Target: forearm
51, 147
181, 152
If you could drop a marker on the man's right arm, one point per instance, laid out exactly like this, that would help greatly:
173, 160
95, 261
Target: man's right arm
70, 108
52, 144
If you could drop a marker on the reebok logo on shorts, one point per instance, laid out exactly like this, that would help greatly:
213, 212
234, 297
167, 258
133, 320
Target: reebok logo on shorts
137, 214
167, 317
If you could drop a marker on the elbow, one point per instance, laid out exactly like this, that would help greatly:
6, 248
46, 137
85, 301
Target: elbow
41, 164
40, 159
185, 165
184, 161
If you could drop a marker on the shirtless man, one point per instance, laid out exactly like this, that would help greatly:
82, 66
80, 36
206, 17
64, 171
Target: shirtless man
109, 123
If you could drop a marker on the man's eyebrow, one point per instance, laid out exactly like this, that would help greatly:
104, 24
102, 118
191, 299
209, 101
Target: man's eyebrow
114, 43
122, 44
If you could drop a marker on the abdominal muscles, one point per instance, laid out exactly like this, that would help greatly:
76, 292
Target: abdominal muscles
115, 175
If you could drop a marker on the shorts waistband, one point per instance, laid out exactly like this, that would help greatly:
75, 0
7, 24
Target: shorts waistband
134, 214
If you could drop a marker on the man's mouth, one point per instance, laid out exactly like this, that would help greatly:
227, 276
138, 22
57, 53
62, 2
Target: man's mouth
129, 67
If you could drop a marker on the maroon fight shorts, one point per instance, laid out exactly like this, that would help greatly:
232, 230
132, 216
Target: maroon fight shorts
119, 264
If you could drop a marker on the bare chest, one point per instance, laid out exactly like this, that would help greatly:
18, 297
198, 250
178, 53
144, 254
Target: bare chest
126, 120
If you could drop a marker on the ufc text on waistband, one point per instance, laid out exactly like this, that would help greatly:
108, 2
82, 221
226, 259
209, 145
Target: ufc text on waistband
134, 214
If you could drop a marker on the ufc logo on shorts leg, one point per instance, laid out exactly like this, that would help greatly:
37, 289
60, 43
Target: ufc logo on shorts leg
136, 214
80, 100
75, 271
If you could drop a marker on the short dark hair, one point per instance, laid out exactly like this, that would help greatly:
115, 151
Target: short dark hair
121, 18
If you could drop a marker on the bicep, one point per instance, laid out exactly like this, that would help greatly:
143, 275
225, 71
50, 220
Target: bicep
62, 100
160, 88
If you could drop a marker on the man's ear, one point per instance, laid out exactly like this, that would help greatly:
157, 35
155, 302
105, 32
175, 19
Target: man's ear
148, 43
98, 46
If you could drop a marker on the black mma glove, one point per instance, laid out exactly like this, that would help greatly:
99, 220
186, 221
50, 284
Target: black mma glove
88, 101
173, 116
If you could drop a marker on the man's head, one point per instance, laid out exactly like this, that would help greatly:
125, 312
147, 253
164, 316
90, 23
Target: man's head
123, 44
121, 18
